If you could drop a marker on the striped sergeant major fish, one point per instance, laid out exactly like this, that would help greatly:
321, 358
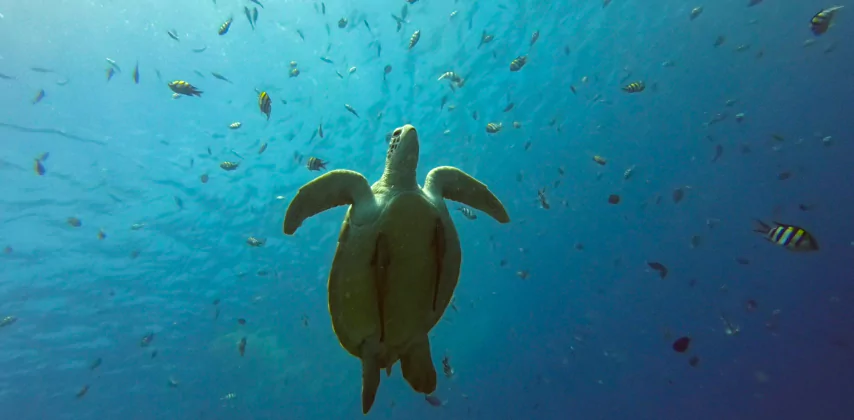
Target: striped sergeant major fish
791, 237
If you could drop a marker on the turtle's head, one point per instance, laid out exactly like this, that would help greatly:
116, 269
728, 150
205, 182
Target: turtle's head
402, 157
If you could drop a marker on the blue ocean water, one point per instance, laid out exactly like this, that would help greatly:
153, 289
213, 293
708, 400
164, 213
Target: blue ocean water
558, 314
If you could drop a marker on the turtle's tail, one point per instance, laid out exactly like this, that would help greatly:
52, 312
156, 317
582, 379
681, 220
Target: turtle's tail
417, 367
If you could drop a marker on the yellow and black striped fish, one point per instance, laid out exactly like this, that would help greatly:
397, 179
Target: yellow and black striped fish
265, 104
518, 63
414, 39
228, 166
791, 237
467, 213
315, 164
822, 20
184, 88
635, 87
223, 29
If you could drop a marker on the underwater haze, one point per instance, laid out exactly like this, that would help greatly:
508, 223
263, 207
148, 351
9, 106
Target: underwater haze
146, 275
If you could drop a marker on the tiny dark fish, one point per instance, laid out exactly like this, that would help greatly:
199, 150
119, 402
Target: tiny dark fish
204, 178
696, 241
6, 77
94, 365
39, 96
782, 176
719, 150
254, 15
198, 50
805, 207
351, 110
742, 260
83, 391
662, 270
365, 21
719, 41
509, 107
241, 347
179, 202
753, 3
681, 344
146, 340
216, 301
74, 222
614, 199
257, 2
678, 195
220, 77
301, 36
39, 167
241, 321
534, 37
323, 7
248, 14
173, 34
41, 70
433, 400
209, 151
474, 115
694, 361
263, 148
153, 354
750, 305
136, 74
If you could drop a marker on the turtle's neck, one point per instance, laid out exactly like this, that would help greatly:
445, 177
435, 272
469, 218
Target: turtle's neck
401, 175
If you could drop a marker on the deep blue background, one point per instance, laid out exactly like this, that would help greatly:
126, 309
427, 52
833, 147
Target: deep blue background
586, 336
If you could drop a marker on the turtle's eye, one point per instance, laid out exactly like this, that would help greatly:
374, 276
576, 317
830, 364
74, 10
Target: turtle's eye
397, 132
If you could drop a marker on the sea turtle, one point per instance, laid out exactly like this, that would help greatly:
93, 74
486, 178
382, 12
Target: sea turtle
397, 261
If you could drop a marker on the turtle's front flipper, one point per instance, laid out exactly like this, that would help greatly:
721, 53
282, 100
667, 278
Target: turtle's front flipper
335, 188
417, 366
454, 184
370, 376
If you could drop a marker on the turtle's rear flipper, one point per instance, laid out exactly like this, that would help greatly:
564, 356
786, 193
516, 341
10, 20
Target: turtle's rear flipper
335, 188
417, 367
454, 184
370, 380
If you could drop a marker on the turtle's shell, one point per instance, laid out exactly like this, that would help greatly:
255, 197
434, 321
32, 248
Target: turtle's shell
408, 221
